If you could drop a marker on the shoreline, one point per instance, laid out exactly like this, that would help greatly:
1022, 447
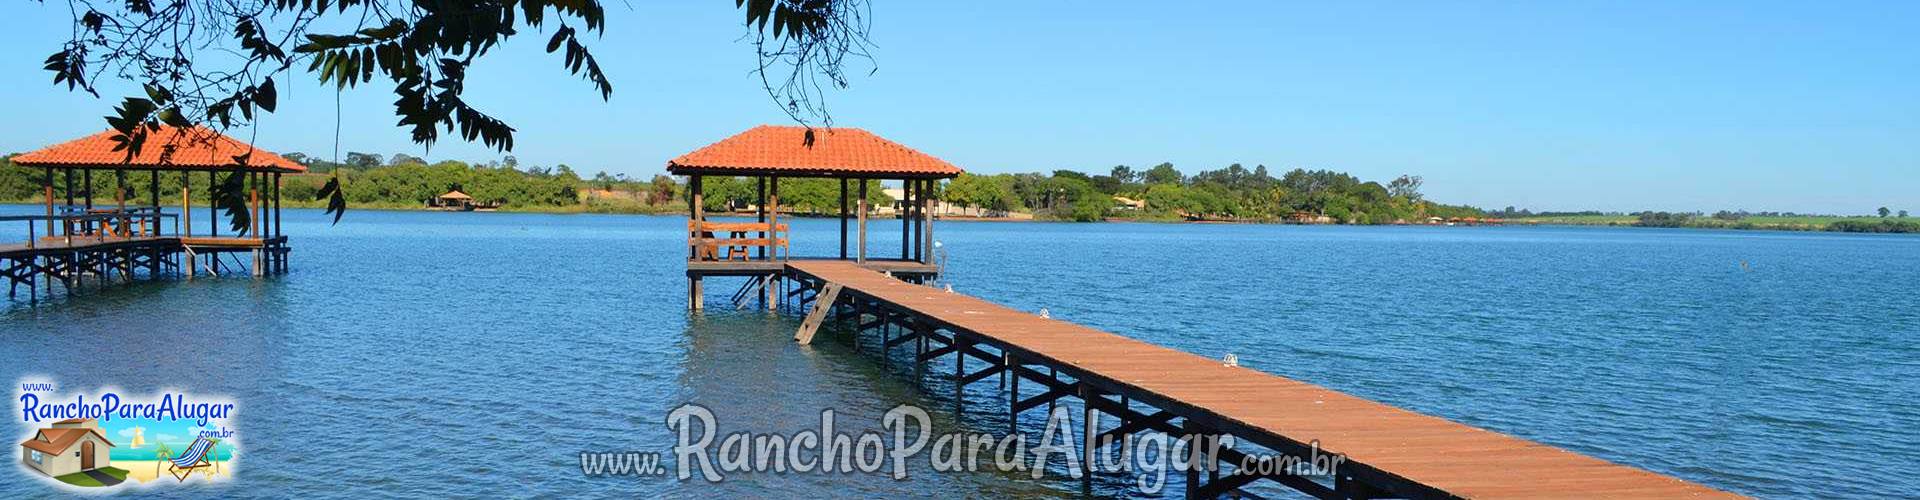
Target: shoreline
1813, 224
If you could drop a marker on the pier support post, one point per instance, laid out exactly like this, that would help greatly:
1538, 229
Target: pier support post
886, 336
766, 291
919, 349
695, 297
1192, 458
960, 345
1089, 430
1013, 396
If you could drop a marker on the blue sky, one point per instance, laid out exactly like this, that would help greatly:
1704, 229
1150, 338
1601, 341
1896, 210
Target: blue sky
1697, 105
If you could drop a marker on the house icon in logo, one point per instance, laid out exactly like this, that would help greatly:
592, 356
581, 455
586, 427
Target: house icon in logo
71, 446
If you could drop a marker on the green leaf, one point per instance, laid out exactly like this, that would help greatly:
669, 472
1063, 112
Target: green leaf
335, 197
265, 96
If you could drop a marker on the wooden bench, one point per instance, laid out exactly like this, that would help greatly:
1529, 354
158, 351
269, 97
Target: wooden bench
741, 238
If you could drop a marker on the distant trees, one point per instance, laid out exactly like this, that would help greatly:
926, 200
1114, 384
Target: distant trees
662, 188
1231, 192
403, 159
1161, 174
1874, 226
1884, 212
1663, 219
358, 159
1903, 214
988, 193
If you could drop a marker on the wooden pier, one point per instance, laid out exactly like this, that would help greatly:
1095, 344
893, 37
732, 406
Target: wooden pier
116, 240
1390, 452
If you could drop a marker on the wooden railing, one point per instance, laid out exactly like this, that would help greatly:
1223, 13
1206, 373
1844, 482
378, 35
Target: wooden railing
741, 238
96, 224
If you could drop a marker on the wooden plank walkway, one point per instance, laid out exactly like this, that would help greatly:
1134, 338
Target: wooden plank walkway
92, 242
1438, 455
78, 243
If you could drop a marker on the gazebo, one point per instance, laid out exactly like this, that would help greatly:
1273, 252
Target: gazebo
453, 200
88, 235
768, 153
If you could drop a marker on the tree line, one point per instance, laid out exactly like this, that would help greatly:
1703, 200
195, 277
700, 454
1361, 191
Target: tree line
1230, 193
1161, 192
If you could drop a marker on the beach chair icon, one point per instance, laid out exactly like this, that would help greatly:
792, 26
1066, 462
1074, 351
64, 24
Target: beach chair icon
194, 458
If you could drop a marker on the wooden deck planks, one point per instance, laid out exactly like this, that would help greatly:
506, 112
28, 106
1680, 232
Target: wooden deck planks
1459, 459
88, 242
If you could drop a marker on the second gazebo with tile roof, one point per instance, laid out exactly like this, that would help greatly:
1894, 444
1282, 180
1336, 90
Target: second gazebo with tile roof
769, 153
117, 236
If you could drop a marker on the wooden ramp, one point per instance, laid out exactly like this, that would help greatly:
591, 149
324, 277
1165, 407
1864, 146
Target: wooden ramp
1390, 452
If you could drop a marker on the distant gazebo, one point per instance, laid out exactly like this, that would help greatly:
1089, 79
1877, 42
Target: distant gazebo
90, 236
767, 154
453, 200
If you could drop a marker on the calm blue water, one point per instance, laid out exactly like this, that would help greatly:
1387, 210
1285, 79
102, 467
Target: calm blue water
422, 354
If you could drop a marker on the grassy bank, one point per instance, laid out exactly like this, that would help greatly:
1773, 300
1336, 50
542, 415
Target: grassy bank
1854, 224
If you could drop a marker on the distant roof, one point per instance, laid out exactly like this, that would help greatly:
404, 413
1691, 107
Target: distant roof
836, 152
456, 194
169, 148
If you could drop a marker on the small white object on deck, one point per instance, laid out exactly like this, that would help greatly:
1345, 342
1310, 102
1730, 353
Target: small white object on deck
1231, 360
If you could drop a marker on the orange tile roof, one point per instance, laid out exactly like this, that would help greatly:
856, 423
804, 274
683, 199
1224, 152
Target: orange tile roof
836, 152
170, 148
57, 441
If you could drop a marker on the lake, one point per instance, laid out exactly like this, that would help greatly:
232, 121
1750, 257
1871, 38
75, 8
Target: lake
466, 354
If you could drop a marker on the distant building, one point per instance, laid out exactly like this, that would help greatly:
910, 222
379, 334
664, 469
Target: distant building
454, 200
459, 201
1125, 203
70, 446
1310, 218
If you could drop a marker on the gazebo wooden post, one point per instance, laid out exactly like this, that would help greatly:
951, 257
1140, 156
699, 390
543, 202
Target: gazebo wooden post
928, 203
213, 212
152, 221
760, 209
843, 216
253, 223
772, 287
906, 220
919, 210
254, 204
861, 212
120, 201
773, 217
49, 186
279, 254
153, 194
695, 210
186, 223
186, 205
